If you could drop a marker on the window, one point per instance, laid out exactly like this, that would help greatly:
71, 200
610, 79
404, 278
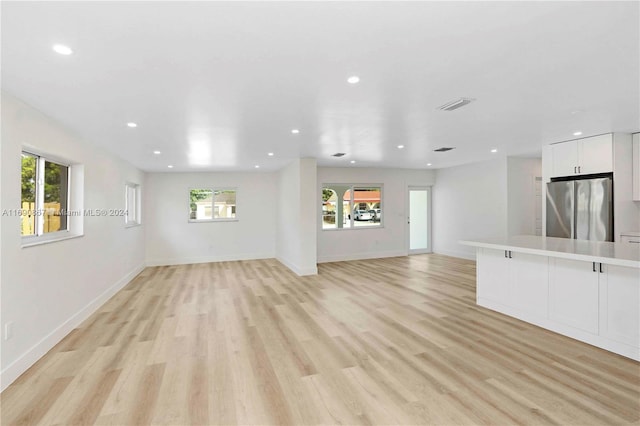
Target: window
132, 204
346, 206
45, 196
210, 204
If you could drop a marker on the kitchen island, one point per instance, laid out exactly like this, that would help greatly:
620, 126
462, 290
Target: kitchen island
586, 290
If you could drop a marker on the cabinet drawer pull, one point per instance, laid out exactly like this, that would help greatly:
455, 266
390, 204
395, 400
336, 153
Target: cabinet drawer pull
509, 254
634, 242
594, 266
578, 169
505, 254
575, 170
601, 271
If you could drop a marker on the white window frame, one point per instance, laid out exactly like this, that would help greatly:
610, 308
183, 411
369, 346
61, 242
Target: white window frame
137, 204
351, 187
75, 176
213, 202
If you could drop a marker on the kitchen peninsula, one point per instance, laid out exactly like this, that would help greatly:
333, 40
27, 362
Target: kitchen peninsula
586, 290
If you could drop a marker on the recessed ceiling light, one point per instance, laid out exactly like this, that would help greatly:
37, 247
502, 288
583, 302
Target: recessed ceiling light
295, 131
62, 49
400, 146
428, 164
577, 133
353, 161
257, 166
354, 79
170, 166
494, 150
270, 154
131, 124
157, 152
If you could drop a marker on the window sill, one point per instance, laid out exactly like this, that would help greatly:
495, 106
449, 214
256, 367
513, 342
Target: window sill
212, 220
355, 228
32, 242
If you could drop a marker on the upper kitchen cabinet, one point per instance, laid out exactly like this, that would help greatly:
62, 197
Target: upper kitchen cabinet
583, 156
636, 167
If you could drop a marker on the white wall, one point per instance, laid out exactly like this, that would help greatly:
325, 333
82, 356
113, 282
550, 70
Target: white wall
171, 239
521, 196
296, 238
47, 290
469, 202
389, 240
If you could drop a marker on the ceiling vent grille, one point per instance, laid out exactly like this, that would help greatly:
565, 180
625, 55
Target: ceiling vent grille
339, 154
443, 149
458, 103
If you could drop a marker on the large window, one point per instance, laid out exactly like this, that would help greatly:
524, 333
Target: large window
210, 204
132, 205
346, 206
45, 196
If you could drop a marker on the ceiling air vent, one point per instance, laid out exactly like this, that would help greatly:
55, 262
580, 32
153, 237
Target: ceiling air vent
458, 103
443, 149
339, 154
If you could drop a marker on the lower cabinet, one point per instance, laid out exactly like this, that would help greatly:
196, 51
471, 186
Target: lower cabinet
493, 274
592, 302
573, 293
528, 279
620, 304
514, 279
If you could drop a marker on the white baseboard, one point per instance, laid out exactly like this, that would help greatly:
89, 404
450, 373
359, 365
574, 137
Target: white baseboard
208, 259
313, 270
362, 256
459, 254
37, 351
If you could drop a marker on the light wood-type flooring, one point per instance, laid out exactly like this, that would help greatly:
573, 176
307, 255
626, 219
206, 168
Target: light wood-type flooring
387, 341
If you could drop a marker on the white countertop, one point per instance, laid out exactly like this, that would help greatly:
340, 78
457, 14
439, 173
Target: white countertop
621, 254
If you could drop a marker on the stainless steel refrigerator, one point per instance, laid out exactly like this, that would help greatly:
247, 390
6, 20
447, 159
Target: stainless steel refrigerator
580, 209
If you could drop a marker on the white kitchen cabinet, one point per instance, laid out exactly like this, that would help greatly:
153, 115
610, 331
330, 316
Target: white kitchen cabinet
516, 280
493, 273
620, 304
583, 156
528, 283
630, 239
636, 167
574, 293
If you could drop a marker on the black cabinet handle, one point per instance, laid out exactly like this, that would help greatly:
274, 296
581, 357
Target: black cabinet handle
594, 266
601, 271
509, 254
505, 254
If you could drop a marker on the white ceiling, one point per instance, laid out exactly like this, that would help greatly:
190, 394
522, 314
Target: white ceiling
216, 86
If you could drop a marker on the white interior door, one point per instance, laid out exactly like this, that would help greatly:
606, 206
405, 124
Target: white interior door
419, 220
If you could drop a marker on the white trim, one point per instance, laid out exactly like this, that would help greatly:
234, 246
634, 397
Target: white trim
224, 219
296, 269
208, 259
363, 255
37, 351
33, 241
